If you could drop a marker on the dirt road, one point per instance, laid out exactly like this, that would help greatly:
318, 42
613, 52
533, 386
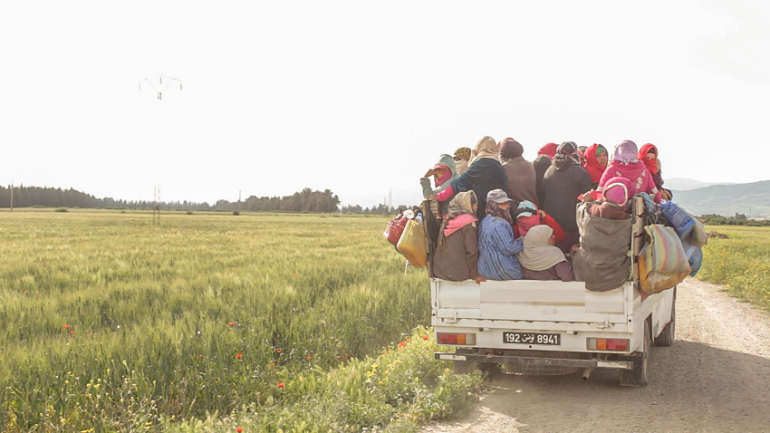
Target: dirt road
716, 378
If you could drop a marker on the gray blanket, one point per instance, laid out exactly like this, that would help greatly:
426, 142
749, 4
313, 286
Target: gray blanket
603, 260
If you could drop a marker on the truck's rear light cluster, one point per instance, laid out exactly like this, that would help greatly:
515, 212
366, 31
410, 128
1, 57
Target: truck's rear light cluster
454, 338
616, 344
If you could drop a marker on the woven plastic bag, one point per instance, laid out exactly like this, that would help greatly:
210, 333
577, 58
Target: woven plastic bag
679, 219
395, 229
412, 244
662, 262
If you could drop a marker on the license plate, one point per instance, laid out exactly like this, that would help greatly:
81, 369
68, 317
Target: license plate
531, 338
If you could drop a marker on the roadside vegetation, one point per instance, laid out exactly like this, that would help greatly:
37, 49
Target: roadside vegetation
212, 322
741, 263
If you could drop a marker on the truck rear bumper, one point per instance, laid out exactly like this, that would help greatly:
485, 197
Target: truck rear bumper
525, 360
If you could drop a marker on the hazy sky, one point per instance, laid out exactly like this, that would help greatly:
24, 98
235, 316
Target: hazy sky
360, 97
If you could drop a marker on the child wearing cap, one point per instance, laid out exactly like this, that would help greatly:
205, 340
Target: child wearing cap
527, 216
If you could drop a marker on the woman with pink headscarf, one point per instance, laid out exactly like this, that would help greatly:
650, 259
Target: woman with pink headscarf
625, 164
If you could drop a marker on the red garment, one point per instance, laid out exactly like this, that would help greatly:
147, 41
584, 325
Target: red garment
649, 163
548, 150
547, 220
636, 172
592, 166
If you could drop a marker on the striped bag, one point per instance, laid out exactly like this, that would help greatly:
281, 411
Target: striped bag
662, 262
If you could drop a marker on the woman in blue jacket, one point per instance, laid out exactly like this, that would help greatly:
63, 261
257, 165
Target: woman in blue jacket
497, 248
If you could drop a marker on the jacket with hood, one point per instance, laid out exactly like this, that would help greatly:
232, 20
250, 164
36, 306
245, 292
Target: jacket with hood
563, 182
541, 164
449, 162
483, 175
522, 184
636, 172
457, 259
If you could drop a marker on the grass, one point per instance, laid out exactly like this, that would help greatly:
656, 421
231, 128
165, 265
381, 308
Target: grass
740, 263
108, 323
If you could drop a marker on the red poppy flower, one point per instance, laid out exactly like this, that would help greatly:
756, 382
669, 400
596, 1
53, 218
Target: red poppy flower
295, 275
239, 355
278, 351
239, 429
387, 351
280, 385
425, 337
402, 344
66, 326
72, 332
309, 357
408, 340
232, 324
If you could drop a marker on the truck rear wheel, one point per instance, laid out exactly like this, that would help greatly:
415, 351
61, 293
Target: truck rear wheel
640, 375
666, 337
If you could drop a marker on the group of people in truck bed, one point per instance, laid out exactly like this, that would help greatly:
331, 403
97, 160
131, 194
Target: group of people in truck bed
506, 218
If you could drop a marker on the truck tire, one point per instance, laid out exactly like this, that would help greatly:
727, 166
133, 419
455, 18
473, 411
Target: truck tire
491, 369
666, 337
640, 375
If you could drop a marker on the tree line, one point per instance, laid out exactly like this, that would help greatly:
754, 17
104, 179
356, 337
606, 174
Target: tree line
306, 200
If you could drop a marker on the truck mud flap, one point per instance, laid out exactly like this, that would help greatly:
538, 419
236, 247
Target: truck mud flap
525, 360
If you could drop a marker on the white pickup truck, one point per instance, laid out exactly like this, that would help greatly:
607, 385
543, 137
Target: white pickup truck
552, 327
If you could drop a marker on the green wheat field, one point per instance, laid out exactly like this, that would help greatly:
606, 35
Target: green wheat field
210, 322
214, 322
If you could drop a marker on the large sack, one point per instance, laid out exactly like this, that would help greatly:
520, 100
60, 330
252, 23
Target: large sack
412, 244
662, 262
603, 260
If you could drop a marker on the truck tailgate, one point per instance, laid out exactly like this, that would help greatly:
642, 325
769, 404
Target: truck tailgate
528, 300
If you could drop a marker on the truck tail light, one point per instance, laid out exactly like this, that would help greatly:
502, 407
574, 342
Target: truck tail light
456, 338
612, 344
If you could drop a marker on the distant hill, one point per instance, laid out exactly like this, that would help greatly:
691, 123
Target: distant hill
727, 200
689, 184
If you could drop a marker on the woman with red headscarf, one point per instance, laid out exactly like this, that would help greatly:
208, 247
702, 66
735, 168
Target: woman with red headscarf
649, 155
595, 162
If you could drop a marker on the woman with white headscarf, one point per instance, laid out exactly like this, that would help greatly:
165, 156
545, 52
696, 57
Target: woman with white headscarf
541, 260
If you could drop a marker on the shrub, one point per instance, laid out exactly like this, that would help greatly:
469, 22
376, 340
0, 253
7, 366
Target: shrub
61, 209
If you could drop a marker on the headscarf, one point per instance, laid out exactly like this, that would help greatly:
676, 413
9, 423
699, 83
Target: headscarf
548, 150
592, 165
493, 208
616, 191
459, 215
510, 149
485, 148
446, 162
526, 217
625, 153
463, 153
537, 254
447, 174
651, 164
567, 148
462, 156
